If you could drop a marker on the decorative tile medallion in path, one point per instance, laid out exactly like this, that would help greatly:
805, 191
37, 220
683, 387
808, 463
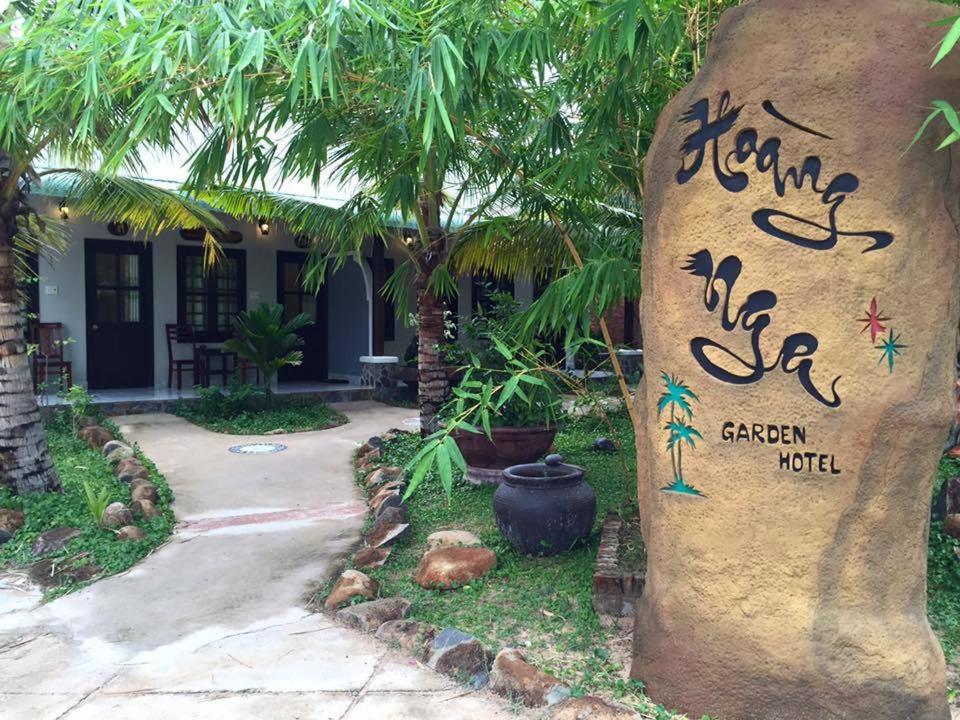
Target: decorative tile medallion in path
800, 266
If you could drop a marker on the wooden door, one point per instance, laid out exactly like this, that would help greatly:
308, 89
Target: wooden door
296, 299
119, 308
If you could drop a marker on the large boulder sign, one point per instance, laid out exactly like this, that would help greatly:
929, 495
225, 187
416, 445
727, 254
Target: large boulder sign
800, 310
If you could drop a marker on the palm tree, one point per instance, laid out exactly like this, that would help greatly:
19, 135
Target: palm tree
56, 111
263, 338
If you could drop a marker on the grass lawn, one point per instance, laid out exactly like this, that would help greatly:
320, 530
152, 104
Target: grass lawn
541, 604
285, 415
76, 464
544, 605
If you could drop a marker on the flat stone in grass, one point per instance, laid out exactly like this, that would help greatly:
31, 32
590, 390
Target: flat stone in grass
386, 534
514, 678
130, 532
393, 500
410, 635
450, 567
384, 475
145, 508
591, 708
53, 540
452, 538
11, 520
144, 491
393, 515
95, 436
121, 452
109, 447
125, 465
369, 616
350, 584
117, 515
133, 472
371, 557
457, 654
377, 500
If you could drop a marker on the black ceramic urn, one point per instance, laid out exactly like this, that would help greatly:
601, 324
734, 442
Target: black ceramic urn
544, 508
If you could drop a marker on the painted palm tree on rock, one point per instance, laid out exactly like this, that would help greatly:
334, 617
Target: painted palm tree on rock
677, 398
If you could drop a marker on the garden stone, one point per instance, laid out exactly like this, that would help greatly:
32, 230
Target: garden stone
394, 500
591, 708
117, 515
452, 538
951, 525
377, 500
384, 475
386, 534
801, 342
86, 421
120, 453
370, 558
53, 540
369, 616
375, 442
95, 436
5, 536
391, 487
350, 584
111, 446
514, 678
129, 464
604, 445
131, 532
409, 635
11, 520
129, 476
954, 452
368, 459
390, 516
145, 508
457, 654
450, 567
144, 491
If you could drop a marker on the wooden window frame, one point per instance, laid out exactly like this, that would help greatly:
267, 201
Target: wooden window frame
209, 332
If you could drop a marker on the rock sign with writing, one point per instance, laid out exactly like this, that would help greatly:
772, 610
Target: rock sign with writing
800, 313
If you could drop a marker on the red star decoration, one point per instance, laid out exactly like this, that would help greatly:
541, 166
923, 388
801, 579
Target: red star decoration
874, 322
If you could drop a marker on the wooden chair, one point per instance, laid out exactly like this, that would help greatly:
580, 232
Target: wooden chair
193, 364
48, 359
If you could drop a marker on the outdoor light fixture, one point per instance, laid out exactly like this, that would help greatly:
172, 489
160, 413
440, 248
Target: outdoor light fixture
264, 226
64, 210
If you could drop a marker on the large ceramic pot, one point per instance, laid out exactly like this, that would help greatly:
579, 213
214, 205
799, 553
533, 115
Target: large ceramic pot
510, 446
544, 508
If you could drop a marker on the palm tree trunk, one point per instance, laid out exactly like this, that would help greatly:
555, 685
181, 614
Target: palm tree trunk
25, 463
433, 384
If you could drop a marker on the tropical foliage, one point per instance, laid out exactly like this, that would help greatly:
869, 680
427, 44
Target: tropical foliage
264, 339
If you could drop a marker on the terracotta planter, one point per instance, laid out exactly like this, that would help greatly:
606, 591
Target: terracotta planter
511, 446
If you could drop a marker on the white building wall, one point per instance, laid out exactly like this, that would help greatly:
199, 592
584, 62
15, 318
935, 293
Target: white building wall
62, 291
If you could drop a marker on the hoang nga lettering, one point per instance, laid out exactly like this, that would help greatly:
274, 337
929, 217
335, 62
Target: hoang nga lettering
753, 316
704, 144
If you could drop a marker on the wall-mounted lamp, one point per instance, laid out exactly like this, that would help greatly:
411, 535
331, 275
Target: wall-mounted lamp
64, 210
408, 241
263, 226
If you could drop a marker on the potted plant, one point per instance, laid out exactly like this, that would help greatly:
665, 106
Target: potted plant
499, 416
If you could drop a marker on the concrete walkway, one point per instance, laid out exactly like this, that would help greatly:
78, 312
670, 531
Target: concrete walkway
212, 625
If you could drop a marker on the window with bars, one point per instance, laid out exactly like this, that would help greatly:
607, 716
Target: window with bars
207, 301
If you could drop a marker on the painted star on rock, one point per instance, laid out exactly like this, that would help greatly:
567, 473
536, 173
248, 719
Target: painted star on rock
890, 348
874, 322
